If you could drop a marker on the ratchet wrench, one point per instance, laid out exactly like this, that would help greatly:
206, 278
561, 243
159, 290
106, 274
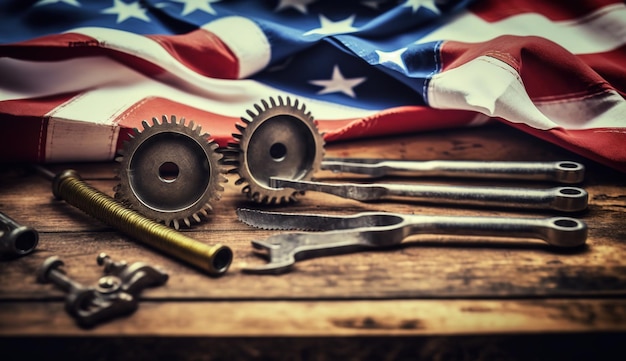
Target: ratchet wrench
565, 171
342, 234
565, 199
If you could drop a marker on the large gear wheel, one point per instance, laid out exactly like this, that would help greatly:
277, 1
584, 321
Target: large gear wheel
280, 140
170, 172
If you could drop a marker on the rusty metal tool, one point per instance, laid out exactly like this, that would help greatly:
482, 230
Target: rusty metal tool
565, 171
362, 231
565, 199
16, 239
116, 294
69, 186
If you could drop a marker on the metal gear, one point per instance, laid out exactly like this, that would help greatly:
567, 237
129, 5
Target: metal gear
280, 140
170, 172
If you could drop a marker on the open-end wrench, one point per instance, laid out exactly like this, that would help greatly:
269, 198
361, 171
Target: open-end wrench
565, 171
342, 234
565, 199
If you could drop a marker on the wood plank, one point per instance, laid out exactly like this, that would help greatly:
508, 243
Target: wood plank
434, 267
318, 318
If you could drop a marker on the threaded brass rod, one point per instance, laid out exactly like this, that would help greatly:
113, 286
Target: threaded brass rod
69, 186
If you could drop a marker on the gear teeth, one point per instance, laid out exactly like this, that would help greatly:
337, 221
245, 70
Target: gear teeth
258, 108
230, 163
235, 155
124, 191
240, 127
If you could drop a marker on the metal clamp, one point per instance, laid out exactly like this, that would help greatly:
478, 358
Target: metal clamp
115, 295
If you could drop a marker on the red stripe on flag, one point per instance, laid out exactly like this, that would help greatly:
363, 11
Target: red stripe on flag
556, 10
611, 66
603, 145
408, 118
25, 123
71, 46
203, 52
219, 127
548, 71
52, 47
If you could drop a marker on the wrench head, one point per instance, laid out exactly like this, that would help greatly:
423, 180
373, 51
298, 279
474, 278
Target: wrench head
279, 251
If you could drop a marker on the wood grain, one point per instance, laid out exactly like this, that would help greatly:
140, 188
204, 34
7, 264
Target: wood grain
324, 318
428, 286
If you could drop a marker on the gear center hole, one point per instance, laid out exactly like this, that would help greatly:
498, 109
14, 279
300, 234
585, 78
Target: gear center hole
278, 151
168, 172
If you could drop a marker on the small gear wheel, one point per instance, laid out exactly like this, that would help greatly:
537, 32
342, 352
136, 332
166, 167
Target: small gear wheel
280, 140
170, 172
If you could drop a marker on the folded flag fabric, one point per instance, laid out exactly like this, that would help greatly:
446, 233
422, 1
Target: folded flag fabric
77, 75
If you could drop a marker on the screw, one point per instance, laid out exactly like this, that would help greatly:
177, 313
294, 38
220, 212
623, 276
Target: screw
50, 272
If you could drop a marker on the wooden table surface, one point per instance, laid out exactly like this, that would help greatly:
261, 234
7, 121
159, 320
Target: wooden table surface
434, 297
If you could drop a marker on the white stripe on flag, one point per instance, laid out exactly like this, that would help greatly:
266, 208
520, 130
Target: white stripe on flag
601, 31
246, 40
502, 94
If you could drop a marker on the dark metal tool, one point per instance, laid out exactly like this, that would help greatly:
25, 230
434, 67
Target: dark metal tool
15, 239
341, 234
566, 171
116, 294
565, 199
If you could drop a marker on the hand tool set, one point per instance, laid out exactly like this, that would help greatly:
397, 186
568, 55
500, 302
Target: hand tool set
171, 174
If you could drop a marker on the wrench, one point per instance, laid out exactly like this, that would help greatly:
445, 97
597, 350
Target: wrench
342, 234
565, 199
561, 171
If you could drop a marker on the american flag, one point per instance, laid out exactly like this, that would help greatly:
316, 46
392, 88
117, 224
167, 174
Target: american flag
76, 75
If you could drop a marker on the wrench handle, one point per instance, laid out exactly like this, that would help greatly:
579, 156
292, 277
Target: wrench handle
566, 172
565, 199
556, 231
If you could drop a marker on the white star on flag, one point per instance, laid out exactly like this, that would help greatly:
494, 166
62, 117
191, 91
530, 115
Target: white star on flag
394, 57
47, 2
126, 11
428, 4
299, 5
329, 27
193, 5
338, 83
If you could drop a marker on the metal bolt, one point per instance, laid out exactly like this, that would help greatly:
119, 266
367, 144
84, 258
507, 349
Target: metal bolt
50, 272
109, 284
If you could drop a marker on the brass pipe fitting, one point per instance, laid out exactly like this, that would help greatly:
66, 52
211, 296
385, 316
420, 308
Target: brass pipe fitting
69, 186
